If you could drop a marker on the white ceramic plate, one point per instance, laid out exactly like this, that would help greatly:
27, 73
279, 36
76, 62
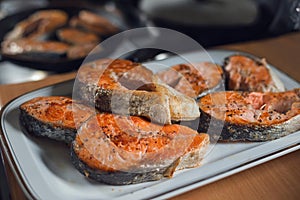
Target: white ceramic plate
44, 170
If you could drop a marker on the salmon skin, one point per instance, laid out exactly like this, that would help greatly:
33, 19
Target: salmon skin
250, 116
52, 117
245, 73
123, 150
195, 79
128, 88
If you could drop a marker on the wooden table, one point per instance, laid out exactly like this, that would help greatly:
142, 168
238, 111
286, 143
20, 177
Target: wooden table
276, 179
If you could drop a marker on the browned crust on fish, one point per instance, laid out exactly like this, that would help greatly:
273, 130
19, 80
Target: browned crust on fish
38, 24
193, 79
75, 36
244, 118
92, 22
245, 73
24, 46
95, 20
124, 87
53, 117
80, 51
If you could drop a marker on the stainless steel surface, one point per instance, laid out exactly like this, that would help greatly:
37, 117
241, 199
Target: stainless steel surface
209, 13
12, 73
8, 7
9, 72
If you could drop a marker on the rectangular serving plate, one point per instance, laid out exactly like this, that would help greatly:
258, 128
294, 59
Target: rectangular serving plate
44, 170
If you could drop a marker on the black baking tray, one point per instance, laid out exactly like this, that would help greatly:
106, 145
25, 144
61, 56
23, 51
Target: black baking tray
58, 64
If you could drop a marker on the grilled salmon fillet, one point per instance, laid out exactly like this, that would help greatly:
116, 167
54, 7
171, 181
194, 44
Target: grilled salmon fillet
125, 87
85, 21
245, 73
26, 46
38, 24
75, 36
96, 23
193, 79
251, 116
121, 150
82, 50
53, 117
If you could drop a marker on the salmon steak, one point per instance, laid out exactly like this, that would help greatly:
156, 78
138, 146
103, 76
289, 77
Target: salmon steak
128, 88
53, 117
82, 50
28, 46
38, 24
122, 150
244, 73
250, 116
94, 23
77, 37
194, 79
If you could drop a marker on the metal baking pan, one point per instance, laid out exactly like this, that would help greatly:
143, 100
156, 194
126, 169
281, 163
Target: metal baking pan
50, 63
44, 170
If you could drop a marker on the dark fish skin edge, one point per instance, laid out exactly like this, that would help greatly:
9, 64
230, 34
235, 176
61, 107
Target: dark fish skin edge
117, 177
101, 99
41, 129
236, 132
89, 94
92, 94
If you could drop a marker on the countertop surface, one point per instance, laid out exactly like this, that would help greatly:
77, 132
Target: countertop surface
275, 179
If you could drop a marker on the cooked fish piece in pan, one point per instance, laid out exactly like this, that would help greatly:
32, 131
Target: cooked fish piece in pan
97, 20
77, 37
92, 22
38, 24
28, 46
82, 50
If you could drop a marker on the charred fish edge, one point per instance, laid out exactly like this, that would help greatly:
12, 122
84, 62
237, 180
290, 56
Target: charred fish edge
41, 129
117, 177
249, 132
